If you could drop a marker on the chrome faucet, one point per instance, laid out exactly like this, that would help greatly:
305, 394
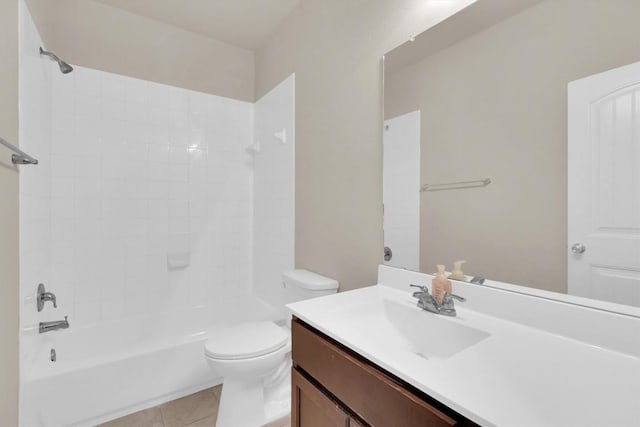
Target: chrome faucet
43, 297
52, 326
427, 302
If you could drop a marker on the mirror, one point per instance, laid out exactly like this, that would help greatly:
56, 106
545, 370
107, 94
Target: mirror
483, 99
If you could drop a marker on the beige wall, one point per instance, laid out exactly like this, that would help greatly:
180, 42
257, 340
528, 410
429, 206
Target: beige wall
8, 215
335, 49
92, 34
494, 105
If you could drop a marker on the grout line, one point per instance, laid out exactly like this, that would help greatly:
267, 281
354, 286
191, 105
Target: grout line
161, 414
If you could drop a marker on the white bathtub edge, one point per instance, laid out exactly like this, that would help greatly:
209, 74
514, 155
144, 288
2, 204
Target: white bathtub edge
148, 404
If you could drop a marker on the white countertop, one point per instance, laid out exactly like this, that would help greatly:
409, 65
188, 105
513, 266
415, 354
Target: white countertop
517, 376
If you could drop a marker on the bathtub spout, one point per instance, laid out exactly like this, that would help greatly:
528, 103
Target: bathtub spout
52, 326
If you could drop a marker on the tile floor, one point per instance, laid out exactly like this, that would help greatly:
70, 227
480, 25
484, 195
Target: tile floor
196, 410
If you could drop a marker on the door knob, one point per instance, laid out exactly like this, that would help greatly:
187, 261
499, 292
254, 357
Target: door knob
578, 248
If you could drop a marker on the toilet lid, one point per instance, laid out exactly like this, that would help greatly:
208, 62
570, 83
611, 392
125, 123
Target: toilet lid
245, 340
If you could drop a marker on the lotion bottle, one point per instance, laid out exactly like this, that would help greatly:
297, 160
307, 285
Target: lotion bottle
457, 273
440, 285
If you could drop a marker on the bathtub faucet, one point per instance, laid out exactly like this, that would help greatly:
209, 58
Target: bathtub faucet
55, 325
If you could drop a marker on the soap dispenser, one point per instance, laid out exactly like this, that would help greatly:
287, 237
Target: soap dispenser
457, 273
440, 285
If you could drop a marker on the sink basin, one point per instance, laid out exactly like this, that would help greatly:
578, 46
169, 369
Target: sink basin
406, 327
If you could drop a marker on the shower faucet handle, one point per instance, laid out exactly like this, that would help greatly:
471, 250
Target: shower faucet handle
43, 296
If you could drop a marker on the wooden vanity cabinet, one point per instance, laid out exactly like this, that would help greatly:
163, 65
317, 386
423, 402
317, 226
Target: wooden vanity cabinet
314, 408
334, 386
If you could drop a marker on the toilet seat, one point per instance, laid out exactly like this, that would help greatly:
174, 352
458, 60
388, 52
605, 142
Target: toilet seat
245, 340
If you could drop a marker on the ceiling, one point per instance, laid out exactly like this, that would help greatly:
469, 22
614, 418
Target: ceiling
470, 20
244, 23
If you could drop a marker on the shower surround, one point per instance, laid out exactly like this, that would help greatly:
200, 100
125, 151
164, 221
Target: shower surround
140, 219
143, 174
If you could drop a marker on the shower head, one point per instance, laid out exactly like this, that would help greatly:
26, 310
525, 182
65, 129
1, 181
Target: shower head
64, 67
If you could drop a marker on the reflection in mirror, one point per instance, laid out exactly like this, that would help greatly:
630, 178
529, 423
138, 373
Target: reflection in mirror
401, 177
489, 91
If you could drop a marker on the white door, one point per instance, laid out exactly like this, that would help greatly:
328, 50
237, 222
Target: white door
401, 190
604, 186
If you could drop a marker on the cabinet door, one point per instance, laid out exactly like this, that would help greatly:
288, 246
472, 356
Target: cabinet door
310, 407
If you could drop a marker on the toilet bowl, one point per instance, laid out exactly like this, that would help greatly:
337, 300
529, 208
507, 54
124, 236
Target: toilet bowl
246, 356
254, 360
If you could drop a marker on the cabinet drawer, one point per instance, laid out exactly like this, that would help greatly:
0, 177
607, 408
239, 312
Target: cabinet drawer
371, 394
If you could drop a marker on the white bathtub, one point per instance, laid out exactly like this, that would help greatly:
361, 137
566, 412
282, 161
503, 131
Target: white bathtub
115, 368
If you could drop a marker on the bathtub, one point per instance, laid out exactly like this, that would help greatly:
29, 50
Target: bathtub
112, 369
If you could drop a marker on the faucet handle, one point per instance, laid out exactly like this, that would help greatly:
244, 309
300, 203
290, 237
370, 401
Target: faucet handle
423, 290
458, 297
42, 296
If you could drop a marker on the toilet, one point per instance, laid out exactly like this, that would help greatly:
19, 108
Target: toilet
254, 359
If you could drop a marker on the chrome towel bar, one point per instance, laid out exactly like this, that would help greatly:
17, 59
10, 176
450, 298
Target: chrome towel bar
20, 158
456, 185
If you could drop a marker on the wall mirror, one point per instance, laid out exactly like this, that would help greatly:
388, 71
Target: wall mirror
512, 141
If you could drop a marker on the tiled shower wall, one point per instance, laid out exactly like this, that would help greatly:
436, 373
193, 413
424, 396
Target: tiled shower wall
143, 172
132, 172
35, 181
273, 212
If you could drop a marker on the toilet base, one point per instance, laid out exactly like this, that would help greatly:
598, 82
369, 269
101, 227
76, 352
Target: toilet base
241, 404
255, 402
277, 394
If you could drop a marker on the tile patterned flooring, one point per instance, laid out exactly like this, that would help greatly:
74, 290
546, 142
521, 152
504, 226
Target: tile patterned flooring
196, 410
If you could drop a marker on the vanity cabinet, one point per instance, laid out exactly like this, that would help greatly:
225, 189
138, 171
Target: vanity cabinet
334, 386
314, 408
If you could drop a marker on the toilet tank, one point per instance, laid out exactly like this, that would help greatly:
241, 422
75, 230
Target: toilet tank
303, 284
